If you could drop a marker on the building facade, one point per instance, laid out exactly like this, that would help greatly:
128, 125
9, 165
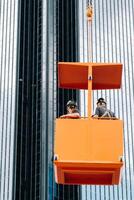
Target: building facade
112, 41
8, 87
34, 36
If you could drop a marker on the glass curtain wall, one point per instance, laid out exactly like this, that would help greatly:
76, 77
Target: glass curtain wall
112, 41
8, 74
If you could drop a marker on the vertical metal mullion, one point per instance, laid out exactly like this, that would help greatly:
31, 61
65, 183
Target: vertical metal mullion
72, 31
43, 98
47, 105
8, 113
58, 57
84, 59
36, 112
111, 20
132, 59
37, 100
123, 107
3, 102
112, 52
2, 29
6, 79
62, 25
77, 31
104, 49
38, 90
66, 32
99, 45
33, 100
128, 103
17, 92
22, 100
11, 110
116, 59
57, 47
62, 47
54, 92
28, 98
100, 48
108, 49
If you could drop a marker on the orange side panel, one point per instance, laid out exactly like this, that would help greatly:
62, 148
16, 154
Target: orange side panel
88, 173
84, 139
88, 148
107, 76
75, 75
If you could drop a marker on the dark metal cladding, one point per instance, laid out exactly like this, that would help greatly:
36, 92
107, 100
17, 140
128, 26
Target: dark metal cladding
28, 112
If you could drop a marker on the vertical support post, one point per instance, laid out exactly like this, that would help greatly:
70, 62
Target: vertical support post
89, 40
89, 91
89, 18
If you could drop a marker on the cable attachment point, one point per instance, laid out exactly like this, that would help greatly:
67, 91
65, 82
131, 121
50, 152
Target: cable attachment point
90, 78
89, 12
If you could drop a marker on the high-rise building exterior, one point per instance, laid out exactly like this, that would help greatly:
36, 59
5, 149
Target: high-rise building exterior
8, 87
112, 41
34, 36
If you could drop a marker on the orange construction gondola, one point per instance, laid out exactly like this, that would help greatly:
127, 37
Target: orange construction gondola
89, 150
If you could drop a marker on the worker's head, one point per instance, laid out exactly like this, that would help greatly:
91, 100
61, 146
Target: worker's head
71, 106
101, 102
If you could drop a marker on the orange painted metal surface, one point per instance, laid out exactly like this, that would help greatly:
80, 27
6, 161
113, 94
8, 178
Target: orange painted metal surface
88, 151
90, 85
75, 75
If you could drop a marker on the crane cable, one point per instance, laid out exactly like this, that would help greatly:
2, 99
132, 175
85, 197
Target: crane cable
89, 13
89, 2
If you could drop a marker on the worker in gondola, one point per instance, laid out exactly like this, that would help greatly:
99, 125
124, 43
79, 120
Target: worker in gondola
72, 111
102, 111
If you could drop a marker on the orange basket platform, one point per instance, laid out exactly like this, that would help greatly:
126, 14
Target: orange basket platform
88, 150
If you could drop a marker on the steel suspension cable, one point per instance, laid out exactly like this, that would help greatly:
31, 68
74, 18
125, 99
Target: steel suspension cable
89, 18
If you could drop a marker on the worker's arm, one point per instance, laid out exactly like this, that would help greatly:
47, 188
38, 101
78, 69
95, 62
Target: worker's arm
72, 115
95, 116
